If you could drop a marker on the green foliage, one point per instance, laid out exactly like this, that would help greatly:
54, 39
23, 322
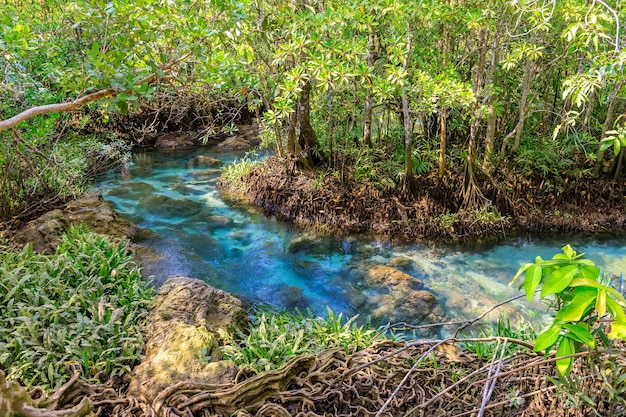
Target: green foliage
501, 328
232, 174
79, 309
43, 169
581, 296
275, 337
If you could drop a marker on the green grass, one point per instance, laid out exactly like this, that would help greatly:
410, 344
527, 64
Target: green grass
274, 337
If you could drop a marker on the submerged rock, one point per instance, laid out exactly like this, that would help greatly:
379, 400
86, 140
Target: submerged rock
400, 297
204, 161
45, 232
188, 321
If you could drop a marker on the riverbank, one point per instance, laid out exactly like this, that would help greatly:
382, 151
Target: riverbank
526, 205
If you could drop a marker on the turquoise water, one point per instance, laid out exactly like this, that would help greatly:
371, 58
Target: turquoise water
237, 248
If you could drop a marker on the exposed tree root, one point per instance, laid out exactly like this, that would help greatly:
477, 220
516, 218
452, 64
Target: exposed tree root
416, 378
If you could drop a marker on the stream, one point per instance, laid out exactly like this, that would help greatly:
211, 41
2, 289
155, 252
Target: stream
239, 249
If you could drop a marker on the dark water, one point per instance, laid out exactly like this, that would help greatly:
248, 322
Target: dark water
242, 251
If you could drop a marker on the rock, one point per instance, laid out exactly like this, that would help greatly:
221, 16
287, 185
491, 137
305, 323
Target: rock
187, 317
400, 297
235, 142
175, 140
381, 276
99, 217
45, 232
170, 208
205, 173
204, 161
401, 263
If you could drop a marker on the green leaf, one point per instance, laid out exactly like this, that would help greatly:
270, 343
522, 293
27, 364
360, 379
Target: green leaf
532, 279
566, 347
576, 308
520, 271
581, 334
601, 303
548, 338
558, 280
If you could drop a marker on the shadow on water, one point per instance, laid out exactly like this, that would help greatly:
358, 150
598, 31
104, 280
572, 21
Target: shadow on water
246, 253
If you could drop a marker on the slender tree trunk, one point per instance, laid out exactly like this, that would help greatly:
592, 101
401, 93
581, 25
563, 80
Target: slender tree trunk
443, 114
442, 142
471, 193
490, 134
367, 113
409, 180
608, 123
331, 127
527, 81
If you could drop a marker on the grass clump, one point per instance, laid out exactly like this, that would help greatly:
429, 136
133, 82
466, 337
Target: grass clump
79, 309
233, 174
274, 337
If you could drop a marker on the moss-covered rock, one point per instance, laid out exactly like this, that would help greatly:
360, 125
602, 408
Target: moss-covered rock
188, 321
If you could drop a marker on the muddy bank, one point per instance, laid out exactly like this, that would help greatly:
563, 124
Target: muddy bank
529, 205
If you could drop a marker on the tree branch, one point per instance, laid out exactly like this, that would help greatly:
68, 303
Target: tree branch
67, 106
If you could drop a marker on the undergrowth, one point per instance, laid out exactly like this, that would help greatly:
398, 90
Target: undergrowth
80, 309
274, 337
233, 174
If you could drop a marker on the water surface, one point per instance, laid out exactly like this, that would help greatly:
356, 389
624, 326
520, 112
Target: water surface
240, 250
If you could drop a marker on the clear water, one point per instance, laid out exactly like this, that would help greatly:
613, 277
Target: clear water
237, 248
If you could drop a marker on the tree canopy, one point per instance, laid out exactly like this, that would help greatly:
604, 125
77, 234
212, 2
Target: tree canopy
404, 88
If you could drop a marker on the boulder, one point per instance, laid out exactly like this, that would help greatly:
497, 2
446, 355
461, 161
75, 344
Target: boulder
235, 142
45, 231
175, 140
400, 297
187, 322
382, 276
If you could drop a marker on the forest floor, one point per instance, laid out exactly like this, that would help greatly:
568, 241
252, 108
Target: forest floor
508, 205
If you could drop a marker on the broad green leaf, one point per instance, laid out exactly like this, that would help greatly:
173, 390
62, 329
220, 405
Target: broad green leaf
547, 339
616, 310
581, 334
558, 280
584, 282
577, 308
532, 279
566, 347
601, 303
520, 271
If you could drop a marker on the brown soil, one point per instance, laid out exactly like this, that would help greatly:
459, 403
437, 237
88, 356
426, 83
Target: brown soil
523, 205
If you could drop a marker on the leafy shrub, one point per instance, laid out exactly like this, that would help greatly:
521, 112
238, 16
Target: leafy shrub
582, 298
39, 169
275, 337
79, 309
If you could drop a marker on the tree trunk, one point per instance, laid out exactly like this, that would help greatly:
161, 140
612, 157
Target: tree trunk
367, 113
527, 81
608, 123
442, 142
491, 122
307, 139
409, 185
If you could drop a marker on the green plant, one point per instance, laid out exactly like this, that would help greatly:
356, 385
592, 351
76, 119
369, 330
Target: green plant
232, 174
276, 336
501, 328
581, 297
79, 309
